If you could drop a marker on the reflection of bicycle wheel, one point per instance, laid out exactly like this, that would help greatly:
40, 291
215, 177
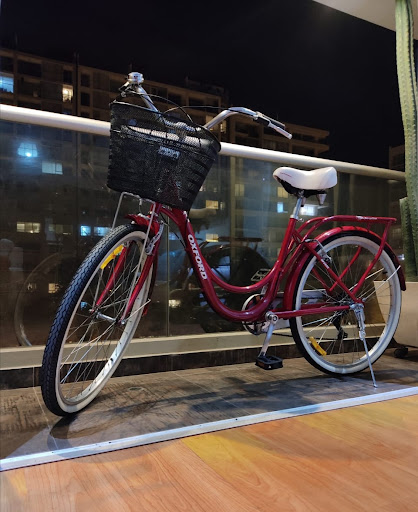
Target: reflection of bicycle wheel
40, 296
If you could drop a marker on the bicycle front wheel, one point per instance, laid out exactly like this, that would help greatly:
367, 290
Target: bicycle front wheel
86, 342
330, 341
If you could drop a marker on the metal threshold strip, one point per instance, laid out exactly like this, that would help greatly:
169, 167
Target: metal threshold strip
203, 428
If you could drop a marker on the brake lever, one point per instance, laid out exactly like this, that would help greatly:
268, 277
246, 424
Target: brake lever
272, 123
125, 86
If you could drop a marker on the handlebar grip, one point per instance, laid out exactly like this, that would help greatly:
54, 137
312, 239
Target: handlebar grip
266, 120
272, 123
276, 123
280, 130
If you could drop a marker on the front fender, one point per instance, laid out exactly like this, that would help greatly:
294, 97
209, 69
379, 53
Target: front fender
323, 238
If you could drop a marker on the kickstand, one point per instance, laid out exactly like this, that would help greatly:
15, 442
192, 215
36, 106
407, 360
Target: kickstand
264, 361
359, 312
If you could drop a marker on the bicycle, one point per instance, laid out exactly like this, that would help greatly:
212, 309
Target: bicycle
342, 288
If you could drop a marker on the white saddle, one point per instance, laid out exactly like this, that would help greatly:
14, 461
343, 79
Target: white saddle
317, 179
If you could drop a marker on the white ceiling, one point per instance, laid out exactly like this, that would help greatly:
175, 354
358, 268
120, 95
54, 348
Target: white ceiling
379, 12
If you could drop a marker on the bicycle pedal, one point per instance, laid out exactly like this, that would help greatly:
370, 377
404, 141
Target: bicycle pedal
269, 362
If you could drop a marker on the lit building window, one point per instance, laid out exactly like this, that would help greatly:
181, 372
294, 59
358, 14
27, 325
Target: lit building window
28, 227
67, 93
212, 204
53, 287
212, 237
60, 229
27, 149
6, 83
281, 192
308, 209
101, 231
51, 167
239, 189
280, 207
85, 230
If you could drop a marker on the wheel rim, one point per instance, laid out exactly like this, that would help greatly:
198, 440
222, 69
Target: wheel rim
331, 340
94, 345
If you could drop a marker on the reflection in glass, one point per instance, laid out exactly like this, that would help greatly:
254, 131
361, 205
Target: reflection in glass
54, 211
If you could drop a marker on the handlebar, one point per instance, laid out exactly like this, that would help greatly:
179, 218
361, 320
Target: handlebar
256, 116
136, 79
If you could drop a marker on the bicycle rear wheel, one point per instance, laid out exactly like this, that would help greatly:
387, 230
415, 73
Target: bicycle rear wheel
330, 341
86, 343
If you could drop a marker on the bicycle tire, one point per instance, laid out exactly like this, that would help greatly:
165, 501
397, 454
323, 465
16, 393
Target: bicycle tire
330, 341
85, 345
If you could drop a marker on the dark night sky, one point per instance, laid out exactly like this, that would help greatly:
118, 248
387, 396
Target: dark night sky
295, 60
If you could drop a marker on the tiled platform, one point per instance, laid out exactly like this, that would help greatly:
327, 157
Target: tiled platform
146, 408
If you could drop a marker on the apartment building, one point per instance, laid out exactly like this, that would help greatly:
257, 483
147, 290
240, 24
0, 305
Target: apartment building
71, 88
55, 204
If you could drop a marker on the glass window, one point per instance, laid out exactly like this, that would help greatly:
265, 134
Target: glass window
85, 230
101, 231
28, 227
67, 76
239, 189
29, 68
27, 149
60, 229
53, 287
29, 88
6, 63
85, 80
85, 99
67, 93
308, 209
6, 83
212, 204
51, 167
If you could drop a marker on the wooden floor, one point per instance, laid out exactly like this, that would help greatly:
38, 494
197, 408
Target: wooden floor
363, 458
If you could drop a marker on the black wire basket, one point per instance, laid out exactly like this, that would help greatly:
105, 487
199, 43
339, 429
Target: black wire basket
158, 156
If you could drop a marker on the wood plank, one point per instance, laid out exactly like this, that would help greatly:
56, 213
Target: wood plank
363, 458
340, 460
159, 477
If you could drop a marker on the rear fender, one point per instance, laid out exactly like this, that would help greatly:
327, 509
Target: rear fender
323, 238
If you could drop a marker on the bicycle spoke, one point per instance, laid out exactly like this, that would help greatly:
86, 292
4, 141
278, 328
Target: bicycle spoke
94, 340
337, 347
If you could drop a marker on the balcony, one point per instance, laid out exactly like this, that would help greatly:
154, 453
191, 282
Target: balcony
56, 206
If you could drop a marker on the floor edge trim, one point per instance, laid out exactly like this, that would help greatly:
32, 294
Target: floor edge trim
203, 428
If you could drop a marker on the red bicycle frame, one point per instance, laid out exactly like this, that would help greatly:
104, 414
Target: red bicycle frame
297, 247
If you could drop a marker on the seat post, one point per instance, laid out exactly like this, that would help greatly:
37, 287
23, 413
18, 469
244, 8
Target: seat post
298, 205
